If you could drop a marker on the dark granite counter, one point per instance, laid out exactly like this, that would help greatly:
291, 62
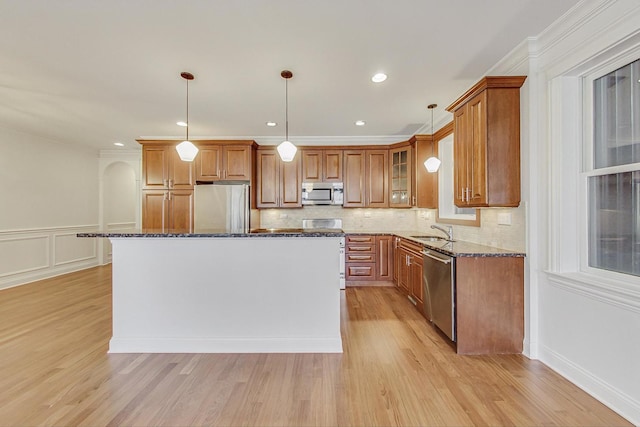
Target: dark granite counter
457, 248
259, 233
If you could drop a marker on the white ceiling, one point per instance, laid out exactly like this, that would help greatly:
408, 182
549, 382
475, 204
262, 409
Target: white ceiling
97, 72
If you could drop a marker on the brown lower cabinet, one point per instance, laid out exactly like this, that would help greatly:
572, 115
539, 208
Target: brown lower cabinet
368, 258
489, 305
408, 261
489, 298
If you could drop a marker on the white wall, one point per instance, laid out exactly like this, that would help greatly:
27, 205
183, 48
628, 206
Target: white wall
586, 328
48, 193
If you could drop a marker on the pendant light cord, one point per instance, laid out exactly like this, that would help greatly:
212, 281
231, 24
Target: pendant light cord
187, 109
432, 138
431, 107
286, 108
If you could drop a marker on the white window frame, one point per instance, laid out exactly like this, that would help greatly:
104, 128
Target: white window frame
588, 170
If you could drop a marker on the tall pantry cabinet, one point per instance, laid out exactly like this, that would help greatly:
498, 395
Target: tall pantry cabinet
167, 189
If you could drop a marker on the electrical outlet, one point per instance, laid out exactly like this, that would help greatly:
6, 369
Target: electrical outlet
504, 218
284, 216
367, 214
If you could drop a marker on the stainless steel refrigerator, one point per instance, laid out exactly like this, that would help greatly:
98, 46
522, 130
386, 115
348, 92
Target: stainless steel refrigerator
222, 207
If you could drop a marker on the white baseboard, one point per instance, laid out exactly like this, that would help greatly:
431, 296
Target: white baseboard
625, 405
225, 345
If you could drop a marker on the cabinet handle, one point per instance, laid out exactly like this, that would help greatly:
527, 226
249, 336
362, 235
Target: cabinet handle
170, 183
413, 200
165, 183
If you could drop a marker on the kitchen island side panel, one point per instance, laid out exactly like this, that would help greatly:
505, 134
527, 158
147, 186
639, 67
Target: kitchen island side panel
223, 295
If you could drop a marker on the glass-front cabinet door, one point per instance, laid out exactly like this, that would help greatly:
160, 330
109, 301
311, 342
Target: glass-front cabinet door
401, 195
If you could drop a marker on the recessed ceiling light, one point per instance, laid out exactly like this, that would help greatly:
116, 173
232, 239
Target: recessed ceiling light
360, 122
271, 124
183, 124
379, 77
118, 144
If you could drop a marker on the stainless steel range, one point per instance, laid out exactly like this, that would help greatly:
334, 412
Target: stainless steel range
328, 225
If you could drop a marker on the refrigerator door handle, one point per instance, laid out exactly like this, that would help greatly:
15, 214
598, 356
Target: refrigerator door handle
247, 209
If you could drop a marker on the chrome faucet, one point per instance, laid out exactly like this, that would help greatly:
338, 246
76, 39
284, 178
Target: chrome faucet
448, 232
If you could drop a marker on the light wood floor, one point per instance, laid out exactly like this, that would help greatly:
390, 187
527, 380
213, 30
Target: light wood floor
395, 370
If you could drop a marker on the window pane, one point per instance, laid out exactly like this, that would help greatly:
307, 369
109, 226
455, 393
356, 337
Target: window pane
614, 222
617, 117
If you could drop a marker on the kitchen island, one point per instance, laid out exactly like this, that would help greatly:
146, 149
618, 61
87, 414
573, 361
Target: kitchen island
209, 292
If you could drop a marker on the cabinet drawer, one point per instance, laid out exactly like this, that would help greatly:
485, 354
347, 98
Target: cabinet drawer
360, 239
361, 248
363, 257
361, 271
411, 246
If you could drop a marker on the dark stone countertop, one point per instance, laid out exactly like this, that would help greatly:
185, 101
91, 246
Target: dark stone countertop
259, 233
457, 248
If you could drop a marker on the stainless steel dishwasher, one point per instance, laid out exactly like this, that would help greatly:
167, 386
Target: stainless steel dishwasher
438, 280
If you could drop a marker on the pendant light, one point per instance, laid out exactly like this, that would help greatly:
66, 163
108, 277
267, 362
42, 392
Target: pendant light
186, 150
432, 163
286, 149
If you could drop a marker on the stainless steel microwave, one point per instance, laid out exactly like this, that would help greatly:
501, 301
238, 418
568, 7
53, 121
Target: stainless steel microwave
322, 193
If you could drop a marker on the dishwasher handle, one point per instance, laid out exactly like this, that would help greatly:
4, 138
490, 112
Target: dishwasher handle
444, 261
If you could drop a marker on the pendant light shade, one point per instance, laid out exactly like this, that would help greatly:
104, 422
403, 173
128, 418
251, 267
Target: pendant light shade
186, 150
432, 163
286, 149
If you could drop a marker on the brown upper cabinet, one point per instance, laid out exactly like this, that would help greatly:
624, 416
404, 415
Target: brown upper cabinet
278, 183
486, 145
366, 178
229, 161
321, 165
426, 183
401, 177
163, 169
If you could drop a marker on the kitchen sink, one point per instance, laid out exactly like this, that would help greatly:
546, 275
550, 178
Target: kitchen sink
432, 238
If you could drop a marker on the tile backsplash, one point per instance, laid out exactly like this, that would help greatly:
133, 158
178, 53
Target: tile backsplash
490, 232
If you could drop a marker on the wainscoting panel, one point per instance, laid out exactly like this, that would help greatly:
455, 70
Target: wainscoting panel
34, 254
23, 254
67, 248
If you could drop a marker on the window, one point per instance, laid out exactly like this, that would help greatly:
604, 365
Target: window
449, 213
613, 175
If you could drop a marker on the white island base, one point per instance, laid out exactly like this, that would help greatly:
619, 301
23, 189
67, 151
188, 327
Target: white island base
226, 295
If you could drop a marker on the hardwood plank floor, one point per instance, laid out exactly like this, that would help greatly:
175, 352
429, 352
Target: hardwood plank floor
395, 370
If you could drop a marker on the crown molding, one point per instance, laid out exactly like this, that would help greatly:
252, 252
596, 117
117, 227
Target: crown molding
301, 140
